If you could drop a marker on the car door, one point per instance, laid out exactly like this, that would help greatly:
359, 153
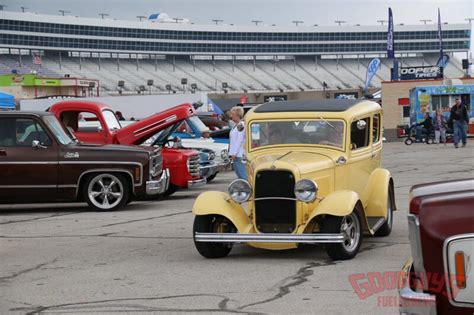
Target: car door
91, 128
360, 162
376, 127
29, 170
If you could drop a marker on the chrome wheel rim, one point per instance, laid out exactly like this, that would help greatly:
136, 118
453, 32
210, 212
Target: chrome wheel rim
351, 231
105, 191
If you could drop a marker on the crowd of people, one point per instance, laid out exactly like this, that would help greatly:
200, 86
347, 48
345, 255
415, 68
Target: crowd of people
439, 125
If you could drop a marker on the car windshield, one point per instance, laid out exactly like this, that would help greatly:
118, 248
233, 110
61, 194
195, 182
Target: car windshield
111, 120
57, 129
301, 132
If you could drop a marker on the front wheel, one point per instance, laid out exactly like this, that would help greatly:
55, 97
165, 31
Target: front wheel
210, 178
212, 224
408, 141
386, 228
350, 227
106, 191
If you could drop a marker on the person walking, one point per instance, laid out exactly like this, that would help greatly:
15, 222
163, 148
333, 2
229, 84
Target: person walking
237, 141
460, 119
440, 125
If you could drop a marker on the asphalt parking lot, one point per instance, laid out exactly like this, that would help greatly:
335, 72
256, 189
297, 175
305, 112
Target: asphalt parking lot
66, 259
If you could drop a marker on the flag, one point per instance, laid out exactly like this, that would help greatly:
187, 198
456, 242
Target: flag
212, 106
371, 70
390, 48
440, 36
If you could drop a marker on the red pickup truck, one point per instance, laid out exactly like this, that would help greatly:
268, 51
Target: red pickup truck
95, 122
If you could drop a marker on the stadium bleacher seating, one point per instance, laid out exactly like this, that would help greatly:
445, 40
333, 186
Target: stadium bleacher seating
208, 75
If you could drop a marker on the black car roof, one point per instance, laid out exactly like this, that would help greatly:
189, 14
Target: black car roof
332, 105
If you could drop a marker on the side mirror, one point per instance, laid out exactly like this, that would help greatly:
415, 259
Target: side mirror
35, 144
361, 124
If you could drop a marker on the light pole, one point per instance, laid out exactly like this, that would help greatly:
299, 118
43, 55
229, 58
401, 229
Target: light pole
103, 15
177, 19
426, 21
141, 17
382, 22
297, 22
63, 12
23, 9
339, 22
256, 22
217, 21
2, 6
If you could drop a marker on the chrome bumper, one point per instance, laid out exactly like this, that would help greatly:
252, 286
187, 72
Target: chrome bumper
209, 170
154, 187
197, 182
268, 238
412, 302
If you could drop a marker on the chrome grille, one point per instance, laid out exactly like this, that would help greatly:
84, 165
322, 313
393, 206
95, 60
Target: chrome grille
275, 215
193, 165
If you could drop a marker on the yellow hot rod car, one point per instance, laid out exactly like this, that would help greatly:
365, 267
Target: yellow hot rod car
314, 177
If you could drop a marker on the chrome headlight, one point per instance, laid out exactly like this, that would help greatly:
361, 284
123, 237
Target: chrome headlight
306, 190
240, 190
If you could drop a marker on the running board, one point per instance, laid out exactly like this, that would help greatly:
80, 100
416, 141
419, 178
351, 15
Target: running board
375, 223
268, 238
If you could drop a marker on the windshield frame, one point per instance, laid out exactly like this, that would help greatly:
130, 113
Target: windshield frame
52, 122
282, 145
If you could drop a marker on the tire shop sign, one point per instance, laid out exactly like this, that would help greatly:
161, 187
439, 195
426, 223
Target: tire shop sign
416, 73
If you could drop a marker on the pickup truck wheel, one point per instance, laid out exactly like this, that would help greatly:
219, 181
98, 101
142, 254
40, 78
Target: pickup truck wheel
106, 192
386, 228
350, 226
210, 178
212, 224
171, 190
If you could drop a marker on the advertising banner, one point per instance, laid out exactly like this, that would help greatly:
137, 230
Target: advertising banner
390, 48
417, 73
371, 70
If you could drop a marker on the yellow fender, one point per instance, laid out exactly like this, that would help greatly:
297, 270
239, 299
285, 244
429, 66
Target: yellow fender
216, 202
339, 203
375, 196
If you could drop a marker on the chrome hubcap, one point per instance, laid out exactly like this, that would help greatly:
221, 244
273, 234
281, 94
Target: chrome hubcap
351, 232
105, 191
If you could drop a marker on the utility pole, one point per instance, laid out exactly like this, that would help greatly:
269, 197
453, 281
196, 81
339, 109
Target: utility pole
217, 21
141, 17
256, 22
297, 22
426, 21
23, 9
382, 22
103, 15
339, 22
63, 12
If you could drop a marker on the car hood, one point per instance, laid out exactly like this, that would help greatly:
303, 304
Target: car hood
304, 162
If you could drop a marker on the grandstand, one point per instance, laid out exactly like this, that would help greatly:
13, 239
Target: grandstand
217, 57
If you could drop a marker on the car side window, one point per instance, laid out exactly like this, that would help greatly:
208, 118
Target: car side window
88, 122
360, 133
376, 128
21, 132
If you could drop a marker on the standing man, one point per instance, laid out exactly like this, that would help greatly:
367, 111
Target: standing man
237, 141
460, 119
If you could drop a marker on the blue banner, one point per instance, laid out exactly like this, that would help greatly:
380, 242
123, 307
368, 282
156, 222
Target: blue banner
390, 48
440, 36
371, 70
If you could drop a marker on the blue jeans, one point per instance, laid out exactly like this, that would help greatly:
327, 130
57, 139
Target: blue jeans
460, 132
239, 168
420, 132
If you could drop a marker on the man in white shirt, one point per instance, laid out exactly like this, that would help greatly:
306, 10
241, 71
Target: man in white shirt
237, 141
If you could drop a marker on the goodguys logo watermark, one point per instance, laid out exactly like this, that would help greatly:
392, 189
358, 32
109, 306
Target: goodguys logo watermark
413, 73
374, 283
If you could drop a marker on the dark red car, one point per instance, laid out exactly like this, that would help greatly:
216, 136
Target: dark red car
439, 279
